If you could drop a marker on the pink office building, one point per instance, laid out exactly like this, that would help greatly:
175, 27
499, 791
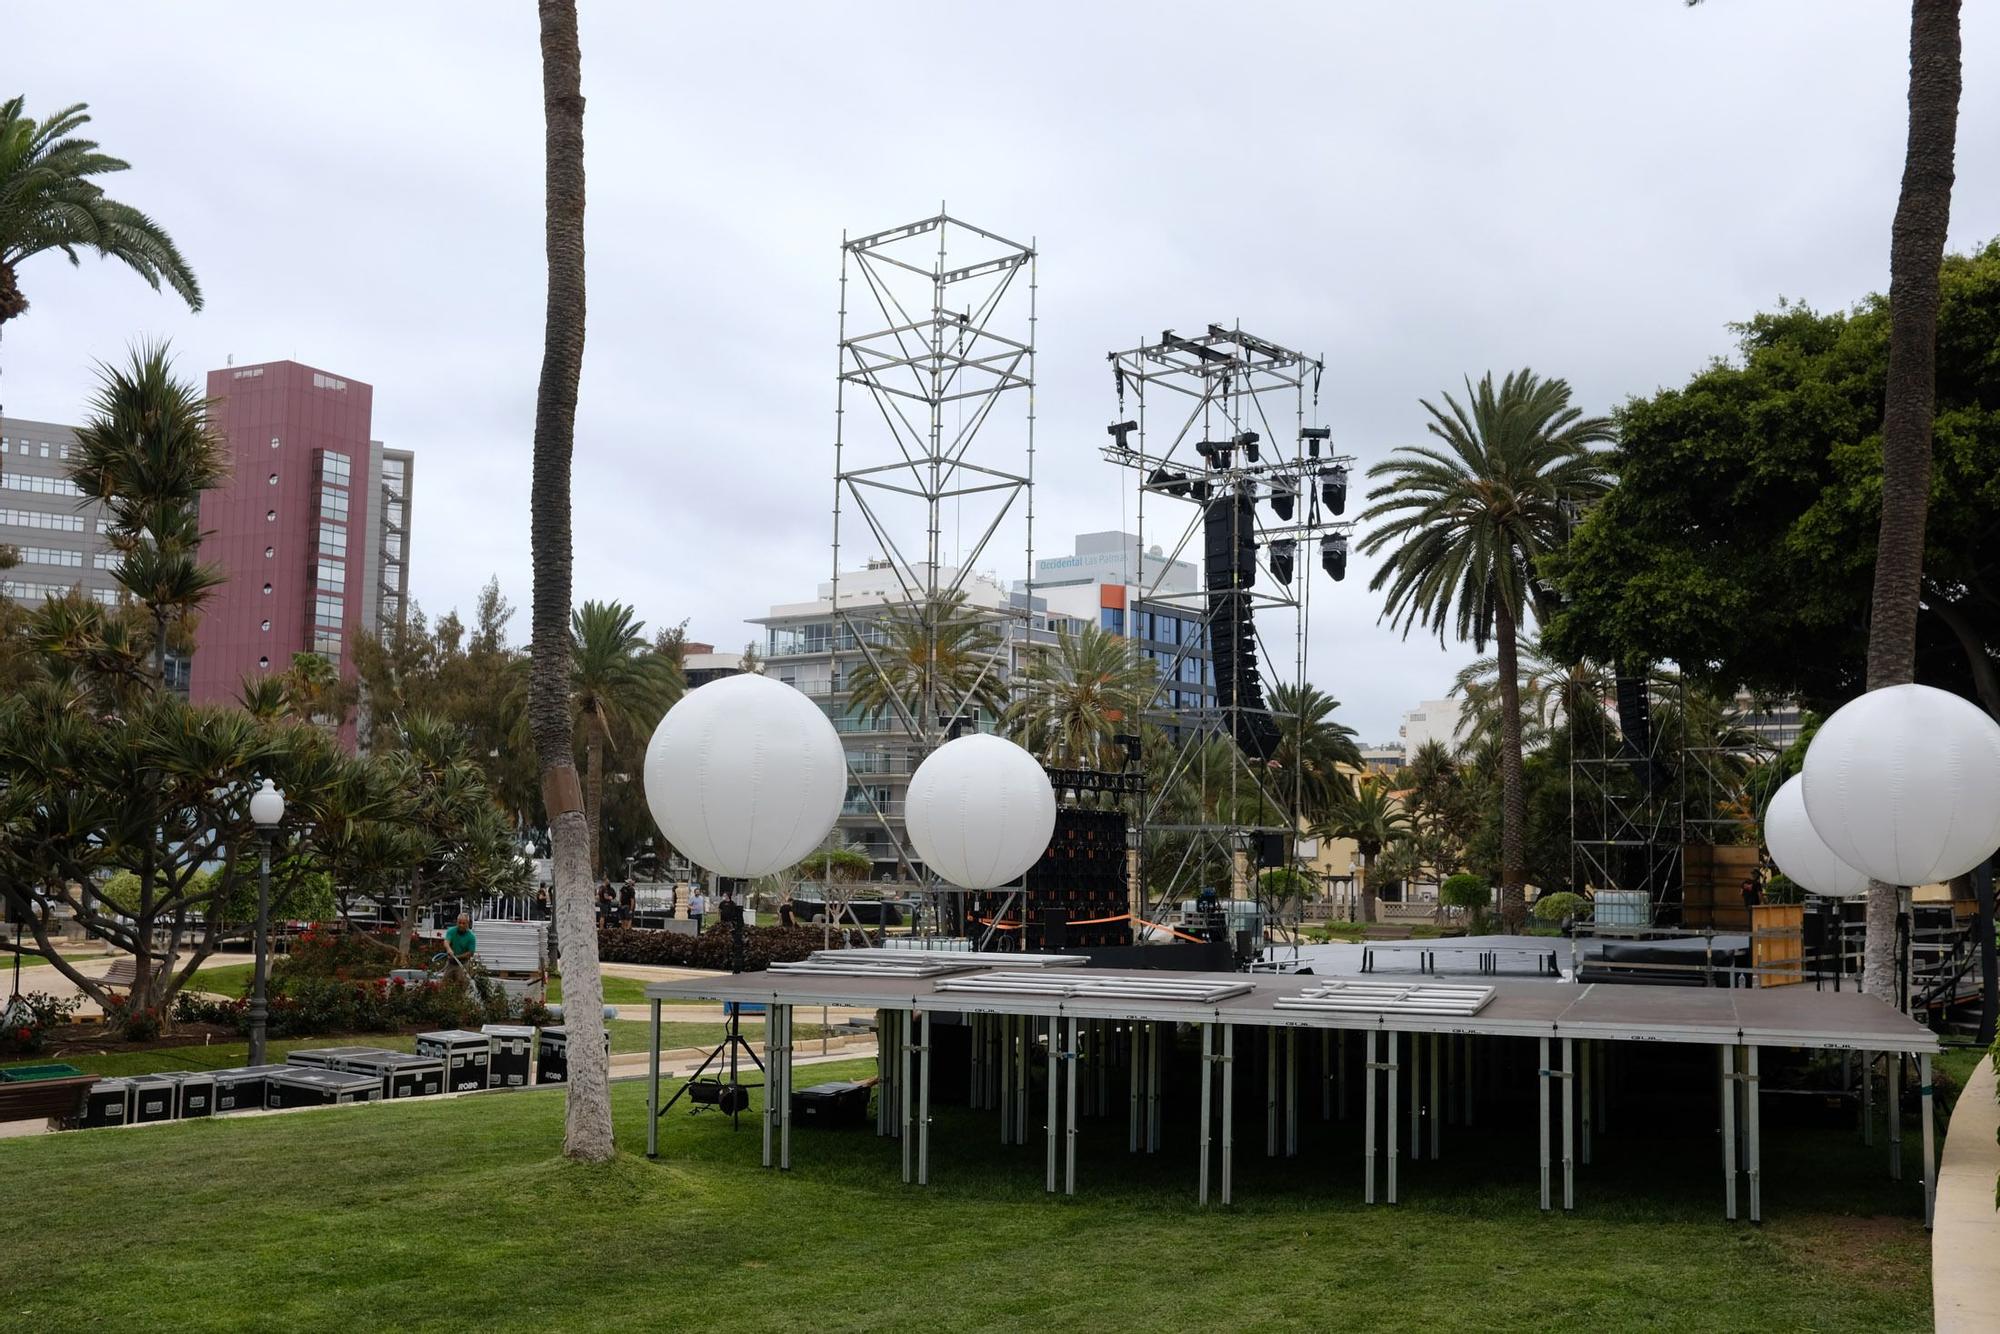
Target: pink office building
311, 529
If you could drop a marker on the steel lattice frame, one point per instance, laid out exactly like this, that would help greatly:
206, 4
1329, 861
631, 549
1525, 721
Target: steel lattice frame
947, 338
1183, 391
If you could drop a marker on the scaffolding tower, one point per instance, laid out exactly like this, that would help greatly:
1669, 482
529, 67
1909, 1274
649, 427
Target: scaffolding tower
1218, 423
937, 359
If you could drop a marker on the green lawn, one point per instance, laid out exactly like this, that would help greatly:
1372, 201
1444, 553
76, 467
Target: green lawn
627, 1036
233, 979
456, 1214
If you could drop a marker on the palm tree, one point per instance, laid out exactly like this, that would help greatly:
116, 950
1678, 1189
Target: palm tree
1311, 749
587, 1114
936, 656
620, 688
1552, 693
1073, 699
147, 453
1368, 814
49, 202
1916, 254
1465, 525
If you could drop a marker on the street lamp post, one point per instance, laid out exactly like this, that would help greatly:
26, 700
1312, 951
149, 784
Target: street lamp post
267, 810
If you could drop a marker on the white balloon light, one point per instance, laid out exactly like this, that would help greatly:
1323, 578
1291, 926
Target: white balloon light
980, 811
745, 775
1904, 784
1800, 852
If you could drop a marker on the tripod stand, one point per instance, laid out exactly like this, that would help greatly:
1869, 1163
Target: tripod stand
734, 1096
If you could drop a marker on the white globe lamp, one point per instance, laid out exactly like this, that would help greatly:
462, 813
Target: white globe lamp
1800, 852
980, 811
1903, 784
745, 776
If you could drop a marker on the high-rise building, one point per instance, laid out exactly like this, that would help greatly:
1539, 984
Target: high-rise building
1096, 584
58, 537
60, 540
311, 530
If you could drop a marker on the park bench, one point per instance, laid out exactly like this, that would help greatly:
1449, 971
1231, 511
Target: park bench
120, 974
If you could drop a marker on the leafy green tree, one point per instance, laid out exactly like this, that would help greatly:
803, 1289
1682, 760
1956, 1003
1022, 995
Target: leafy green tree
49, 201
1072, 699
146, 453
1465, 524
620, 689
1312, 747
1741, 540
935, 657
1371, 815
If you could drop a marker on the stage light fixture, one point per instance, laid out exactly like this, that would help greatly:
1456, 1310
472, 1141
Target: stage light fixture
1200, 490
1333, 555
1247, 442
1312, 435
1284, 493
1173, 483
1283, 554
1119, 430
1333, 490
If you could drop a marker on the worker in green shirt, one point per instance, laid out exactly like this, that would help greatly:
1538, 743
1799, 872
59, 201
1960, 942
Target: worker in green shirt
460, 943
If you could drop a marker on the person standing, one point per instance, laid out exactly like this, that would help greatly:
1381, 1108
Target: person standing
697, 908
607, 905
628, 901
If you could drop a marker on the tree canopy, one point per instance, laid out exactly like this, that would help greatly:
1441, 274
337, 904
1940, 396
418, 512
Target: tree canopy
1740, 541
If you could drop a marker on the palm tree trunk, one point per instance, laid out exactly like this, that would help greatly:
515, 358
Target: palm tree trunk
593, 793
1367, 887
1513, 786
1916, 253
587, 1114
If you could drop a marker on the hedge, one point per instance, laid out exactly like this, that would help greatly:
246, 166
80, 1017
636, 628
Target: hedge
762, 946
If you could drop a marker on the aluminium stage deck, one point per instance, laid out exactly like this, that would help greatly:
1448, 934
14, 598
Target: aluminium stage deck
1795, 1016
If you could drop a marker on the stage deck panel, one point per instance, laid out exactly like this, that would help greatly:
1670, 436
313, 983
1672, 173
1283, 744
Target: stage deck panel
1796, 1016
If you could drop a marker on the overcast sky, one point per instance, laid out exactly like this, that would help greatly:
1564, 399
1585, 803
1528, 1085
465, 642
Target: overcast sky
1417, 191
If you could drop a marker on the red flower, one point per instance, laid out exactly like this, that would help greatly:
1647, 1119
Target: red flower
27, 1035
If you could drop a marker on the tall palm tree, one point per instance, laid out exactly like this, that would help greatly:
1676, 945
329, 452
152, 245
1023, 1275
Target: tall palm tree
1368, 814
146, 453
1464, 524
935, 657
1916, 254
621, 689
1311, 749
1071, 700
587, 1115
48, 201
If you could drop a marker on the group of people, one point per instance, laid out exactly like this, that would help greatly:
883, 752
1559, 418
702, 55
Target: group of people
618, 907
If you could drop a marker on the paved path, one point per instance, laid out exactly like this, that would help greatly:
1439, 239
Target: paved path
1965, 1235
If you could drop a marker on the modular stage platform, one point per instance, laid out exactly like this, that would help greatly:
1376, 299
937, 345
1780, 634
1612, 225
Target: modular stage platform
1114, 1018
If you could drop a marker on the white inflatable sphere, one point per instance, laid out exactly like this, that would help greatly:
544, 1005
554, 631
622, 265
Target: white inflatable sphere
1904, 784
980, 811
745, 776
1800, 852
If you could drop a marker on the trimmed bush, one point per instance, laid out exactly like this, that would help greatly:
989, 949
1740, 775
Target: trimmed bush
1466, 891
1556, 907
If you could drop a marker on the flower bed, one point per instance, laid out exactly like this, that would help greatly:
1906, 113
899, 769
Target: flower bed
762, 947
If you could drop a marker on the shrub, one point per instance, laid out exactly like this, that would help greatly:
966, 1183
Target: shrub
762, 947
1560, 906
135, 1023
326, 951
1466, 891
30, 1031
308, 1007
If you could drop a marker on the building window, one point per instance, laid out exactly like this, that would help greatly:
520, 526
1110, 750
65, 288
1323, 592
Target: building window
327, 382
45, 449
332, 540
270, 516
267, 590
270, 552
327, 608
59, 523
274, 442
333, 504
333, 468
272, 480
106, 559
49, 556
267, 627
264, 664
46, 486
62, 451
332, 573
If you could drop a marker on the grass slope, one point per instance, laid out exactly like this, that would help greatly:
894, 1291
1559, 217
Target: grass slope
456, 1214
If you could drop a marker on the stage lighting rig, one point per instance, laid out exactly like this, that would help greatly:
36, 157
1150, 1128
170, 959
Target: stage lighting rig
1284, 494
1333, 555
1333, 490
1283, 553
1313, 435
1119, 431
1247, 442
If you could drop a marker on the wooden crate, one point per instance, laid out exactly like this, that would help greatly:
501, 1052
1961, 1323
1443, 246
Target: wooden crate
1778, 943
1712, 877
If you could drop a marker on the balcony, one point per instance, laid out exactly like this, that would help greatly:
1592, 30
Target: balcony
892, 808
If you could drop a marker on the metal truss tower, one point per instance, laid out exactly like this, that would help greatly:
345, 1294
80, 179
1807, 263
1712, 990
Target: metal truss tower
935, 412
1219, 426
